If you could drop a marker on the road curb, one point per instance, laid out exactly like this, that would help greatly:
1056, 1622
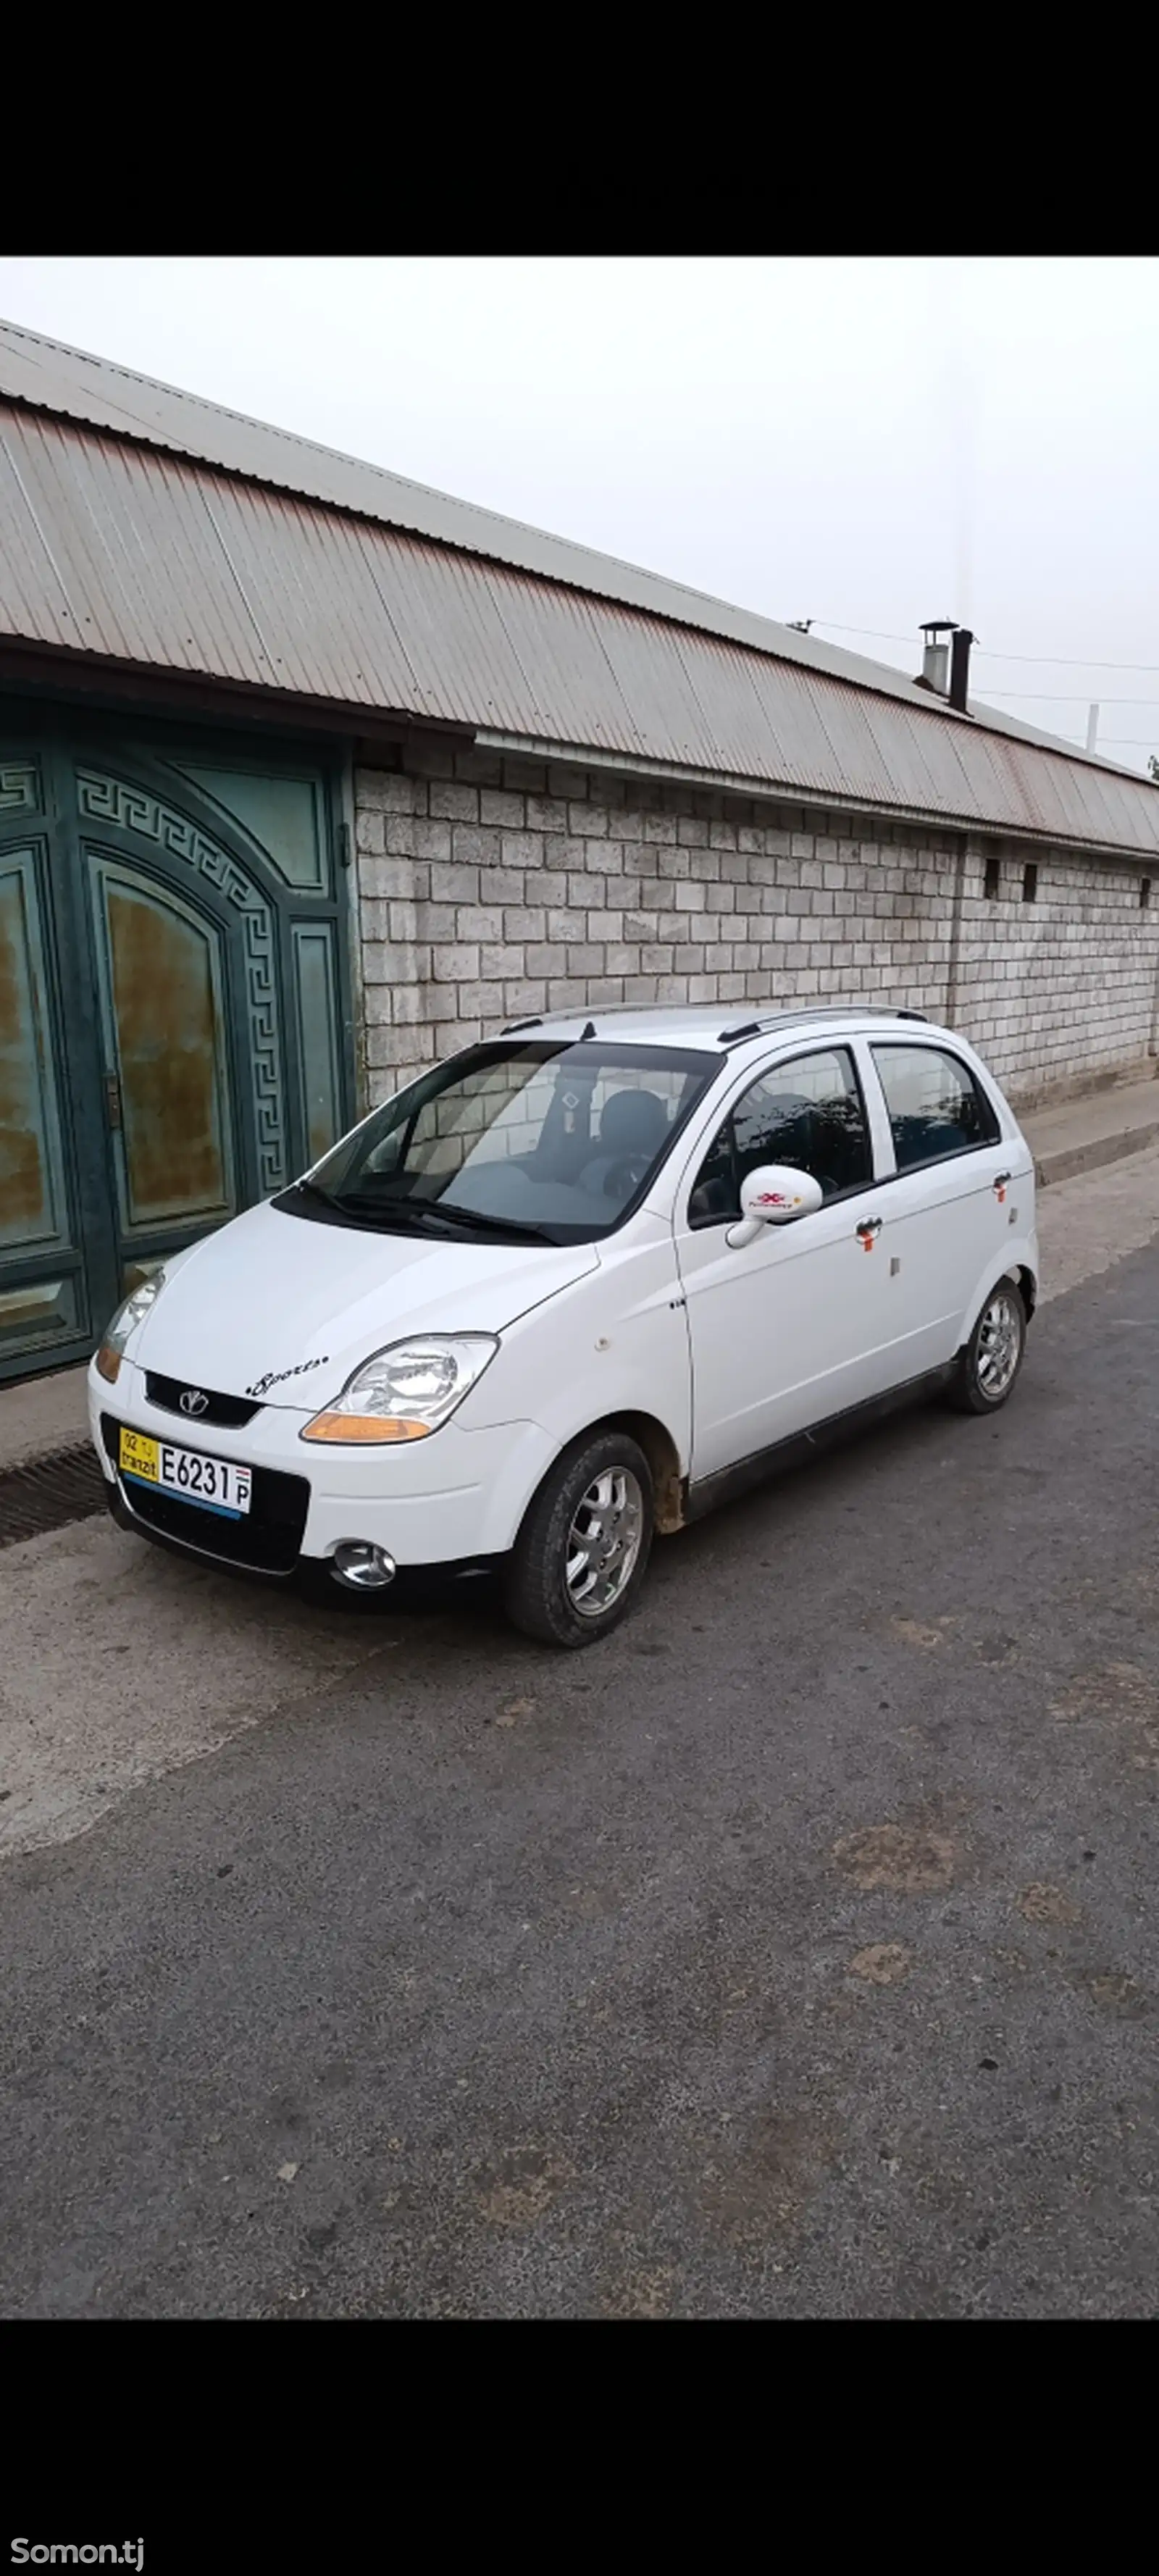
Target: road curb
1069, 1160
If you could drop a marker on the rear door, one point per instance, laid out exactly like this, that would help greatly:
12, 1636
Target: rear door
947, 1206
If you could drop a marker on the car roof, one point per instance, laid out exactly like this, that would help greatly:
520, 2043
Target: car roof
716, 1024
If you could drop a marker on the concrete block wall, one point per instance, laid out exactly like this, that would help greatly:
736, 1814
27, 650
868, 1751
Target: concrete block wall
1059, 992
493, 888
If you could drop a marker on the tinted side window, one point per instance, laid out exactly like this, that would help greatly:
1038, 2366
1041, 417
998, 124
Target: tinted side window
807, 1114
935, 1106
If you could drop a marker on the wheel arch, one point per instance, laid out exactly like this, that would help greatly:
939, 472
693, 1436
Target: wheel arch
669, 1483
1000, 1267
1024, 1279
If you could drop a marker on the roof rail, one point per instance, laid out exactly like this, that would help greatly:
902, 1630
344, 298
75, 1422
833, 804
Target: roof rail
827, 1011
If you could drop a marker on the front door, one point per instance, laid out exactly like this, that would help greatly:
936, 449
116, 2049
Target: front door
174, 1019
794, 1326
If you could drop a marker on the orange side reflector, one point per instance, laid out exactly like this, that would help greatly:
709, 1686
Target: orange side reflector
364, 1427
108, 1364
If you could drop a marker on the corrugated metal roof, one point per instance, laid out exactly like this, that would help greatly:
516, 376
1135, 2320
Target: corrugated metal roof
116, 549
78, 386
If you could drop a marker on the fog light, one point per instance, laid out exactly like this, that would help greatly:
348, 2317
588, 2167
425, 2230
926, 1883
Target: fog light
362, 1566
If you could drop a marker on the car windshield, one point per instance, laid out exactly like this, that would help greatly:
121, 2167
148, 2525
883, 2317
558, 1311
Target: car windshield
536, 1138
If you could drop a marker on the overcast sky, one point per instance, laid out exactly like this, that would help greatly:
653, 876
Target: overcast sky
864, 442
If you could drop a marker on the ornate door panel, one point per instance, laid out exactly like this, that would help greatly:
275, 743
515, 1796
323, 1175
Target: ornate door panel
43, 1303
163, 1020
188, 915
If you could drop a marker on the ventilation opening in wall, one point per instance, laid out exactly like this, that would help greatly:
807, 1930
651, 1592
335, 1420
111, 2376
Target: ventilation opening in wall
1144, 894
993, 880
1030, 881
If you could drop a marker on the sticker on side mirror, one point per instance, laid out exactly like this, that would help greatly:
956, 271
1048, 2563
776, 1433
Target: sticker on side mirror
774, 1194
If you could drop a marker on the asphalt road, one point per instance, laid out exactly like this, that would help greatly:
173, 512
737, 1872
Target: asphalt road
793, 1953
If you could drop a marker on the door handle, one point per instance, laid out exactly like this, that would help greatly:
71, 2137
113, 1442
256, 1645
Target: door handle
868, 1228
112, 1099
1001, 1184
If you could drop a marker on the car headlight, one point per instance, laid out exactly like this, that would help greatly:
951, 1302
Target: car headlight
125, 1322
407, 1390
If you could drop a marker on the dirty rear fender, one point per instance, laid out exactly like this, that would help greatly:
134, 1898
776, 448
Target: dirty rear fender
1020, 1253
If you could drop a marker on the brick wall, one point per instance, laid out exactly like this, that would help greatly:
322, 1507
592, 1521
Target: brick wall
493, 889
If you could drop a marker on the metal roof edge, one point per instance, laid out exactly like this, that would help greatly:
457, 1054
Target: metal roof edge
669, 773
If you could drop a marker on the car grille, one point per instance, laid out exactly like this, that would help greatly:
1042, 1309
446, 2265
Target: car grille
232, 1412
268, 1537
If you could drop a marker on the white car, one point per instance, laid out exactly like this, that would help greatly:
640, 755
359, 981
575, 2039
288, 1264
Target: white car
572, 1288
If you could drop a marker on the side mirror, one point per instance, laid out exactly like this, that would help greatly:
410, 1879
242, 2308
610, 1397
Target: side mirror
774, 1195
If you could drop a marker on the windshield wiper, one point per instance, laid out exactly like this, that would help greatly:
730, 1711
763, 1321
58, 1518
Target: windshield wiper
429, 1214
478, 1220
316, 1191
433, 1212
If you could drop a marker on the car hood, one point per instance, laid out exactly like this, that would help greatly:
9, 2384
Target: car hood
288, 1307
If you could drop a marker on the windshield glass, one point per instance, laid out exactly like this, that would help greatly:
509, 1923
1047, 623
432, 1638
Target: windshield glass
545, 1139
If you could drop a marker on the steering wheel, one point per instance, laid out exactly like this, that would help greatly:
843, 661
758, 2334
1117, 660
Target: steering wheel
625, 1175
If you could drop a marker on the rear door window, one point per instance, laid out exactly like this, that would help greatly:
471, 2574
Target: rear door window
935, 1106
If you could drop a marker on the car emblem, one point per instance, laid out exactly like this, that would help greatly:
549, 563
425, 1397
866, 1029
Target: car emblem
193, 1399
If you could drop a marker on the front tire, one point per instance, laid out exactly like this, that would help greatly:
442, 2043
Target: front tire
581, 1555
988, 1367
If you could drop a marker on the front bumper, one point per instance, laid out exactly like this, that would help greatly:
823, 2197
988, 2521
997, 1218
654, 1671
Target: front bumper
444, 1501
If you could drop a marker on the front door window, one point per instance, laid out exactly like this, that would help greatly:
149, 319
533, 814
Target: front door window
807, 1114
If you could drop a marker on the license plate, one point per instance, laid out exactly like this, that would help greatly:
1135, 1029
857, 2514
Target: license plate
218, 1484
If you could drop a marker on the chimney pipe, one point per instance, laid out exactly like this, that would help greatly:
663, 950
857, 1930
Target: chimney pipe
960, 668
936, 656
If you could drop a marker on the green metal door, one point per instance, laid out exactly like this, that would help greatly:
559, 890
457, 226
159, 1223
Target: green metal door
175, 1033
43, 1289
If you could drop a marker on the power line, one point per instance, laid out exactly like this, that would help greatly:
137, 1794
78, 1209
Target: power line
882, 633
1070, 697
1065, 661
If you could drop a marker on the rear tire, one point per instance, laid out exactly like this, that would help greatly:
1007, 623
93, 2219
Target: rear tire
581, 1555
987, 1369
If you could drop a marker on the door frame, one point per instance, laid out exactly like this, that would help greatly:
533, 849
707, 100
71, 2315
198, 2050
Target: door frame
62, 737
